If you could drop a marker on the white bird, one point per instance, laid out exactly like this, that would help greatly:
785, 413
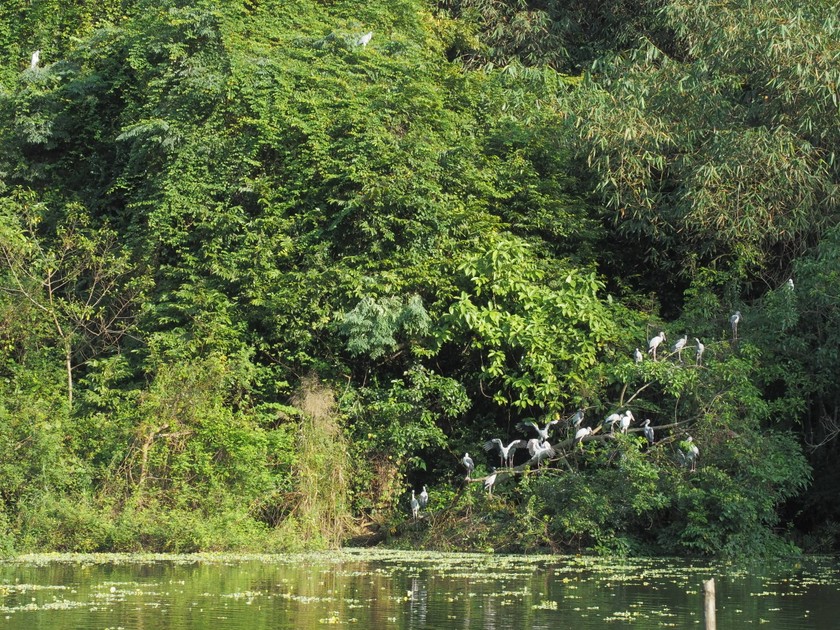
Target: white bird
648, 431
626, 419
415, 506
539, 451
582, 433
610, 420
364, 39
638, 356
505, 452
468, 463
653, 344
678, 347
424, 498
490, 481
36, 57
543, 433
576, 419
733, 321
690, 452
790, 283
700, 349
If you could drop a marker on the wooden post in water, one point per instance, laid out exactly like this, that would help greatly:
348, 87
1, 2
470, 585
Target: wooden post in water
709, 590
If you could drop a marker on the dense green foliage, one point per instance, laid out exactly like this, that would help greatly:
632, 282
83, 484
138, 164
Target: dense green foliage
258, 278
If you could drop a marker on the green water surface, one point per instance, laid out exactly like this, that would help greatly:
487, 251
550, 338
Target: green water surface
391, 589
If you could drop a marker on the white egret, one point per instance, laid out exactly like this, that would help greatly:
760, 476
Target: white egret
700, 349
733, 321
625, 420
653, 344
539, 451
490, 481
364, 39
690, 452
505, 452
424, 498
582, 433
36, 57
543, 433
415, 506
468, 463
638, 356
790, 283
678, 347
610, 421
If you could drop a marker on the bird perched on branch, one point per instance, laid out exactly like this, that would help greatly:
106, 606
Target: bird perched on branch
36, 57
638, 356
490, 481
540, 451
576, 419
364, 39
648, 431
610, 421
654, 343
582, 433
505, 452
700, 350
542, 433
625, 420
689, 453
415, 506
733, 321
468, 463
423, 499
678, 347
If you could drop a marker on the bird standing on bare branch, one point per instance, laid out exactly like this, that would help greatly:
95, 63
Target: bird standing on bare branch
490, 481
468, 463
415, 506
582, 433
678, 347
654, 343
648, 431
505, 452
625, 420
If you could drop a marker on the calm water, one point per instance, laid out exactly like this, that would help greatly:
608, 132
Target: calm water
388, 589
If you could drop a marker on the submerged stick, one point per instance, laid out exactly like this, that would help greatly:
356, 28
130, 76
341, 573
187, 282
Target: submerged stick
709, 590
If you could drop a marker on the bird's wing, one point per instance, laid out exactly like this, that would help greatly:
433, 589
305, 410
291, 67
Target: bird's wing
524, 424
517, 444
490, 444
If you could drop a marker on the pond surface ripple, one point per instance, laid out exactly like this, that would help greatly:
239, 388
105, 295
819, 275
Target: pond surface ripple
395, 589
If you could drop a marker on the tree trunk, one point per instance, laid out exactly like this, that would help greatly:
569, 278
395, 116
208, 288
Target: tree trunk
68, 356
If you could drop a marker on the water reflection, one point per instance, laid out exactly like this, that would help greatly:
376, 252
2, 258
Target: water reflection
383, 589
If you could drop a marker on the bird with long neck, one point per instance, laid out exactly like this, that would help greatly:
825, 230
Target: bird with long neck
505, 452
468, 463
654, 343
733, 321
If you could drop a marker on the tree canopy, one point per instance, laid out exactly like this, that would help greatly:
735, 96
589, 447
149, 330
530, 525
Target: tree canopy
261, 276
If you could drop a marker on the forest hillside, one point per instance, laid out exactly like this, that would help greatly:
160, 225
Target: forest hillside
267, 267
